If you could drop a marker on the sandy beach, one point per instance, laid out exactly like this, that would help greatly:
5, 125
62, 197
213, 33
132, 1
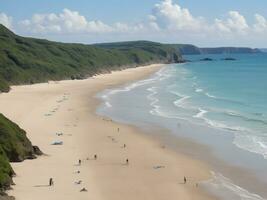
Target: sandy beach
65, 112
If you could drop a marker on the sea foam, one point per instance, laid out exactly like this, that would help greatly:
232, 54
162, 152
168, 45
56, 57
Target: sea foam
224, 188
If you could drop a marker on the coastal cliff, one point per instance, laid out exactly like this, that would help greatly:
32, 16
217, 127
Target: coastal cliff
188, 49
14, 147
28, 60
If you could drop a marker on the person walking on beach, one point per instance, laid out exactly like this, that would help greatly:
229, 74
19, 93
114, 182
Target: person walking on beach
185, 180
118, 129
127, 161
51, 182
80, 162
95, 156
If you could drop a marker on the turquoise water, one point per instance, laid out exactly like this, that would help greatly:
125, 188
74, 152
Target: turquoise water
221, 104
230, 95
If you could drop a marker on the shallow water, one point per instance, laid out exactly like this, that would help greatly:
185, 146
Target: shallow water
221, 104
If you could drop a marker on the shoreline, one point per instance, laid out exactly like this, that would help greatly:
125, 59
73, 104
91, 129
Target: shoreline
69, 107
188, 140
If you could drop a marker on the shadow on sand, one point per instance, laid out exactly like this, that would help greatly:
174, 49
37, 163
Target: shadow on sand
41, 186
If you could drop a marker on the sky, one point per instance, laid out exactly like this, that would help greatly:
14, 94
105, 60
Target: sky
206, 23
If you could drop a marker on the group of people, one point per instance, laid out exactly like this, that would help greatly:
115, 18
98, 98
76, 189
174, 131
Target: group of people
51, 181
79, 182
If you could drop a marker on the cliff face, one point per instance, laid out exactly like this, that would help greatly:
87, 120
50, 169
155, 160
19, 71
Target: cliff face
4, 87
164, 53
187, 49
228, 50
28, 60
14, 147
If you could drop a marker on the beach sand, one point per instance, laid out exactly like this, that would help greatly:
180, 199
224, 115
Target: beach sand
69, 107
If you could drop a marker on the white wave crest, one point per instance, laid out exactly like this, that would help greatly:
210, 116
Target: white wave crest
152, 97
177, 94
198, 90
211, 96
226, 189
181, 103
220, 125
162, 74
201, 113
156, 110
252, 143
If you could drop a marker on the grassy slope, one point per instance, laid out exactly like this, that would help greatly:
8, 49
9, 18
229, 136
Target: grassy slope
14, 147
187, 49
6, 171
158, 49
27, 60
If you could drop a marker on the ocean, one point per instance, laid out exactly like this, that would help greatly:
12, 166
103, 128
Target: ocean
220, 104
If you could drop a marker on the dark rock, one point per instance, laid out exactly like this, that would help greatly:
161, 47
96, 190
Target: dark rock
206, 59
37, 151
187, 61
3, 196
229, 59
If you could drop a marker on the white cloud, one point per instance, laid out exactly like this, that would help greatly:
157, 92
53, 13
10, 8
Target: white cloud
71, 22
170, 16
235, 23
67, 21
126, 28
166, 17
261, 24
220, 26
6, 20
167, 21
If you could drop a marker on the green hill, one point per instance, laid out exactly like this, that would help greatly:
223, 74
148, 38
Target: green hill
14, 147
229, 50
188, 49
28, 60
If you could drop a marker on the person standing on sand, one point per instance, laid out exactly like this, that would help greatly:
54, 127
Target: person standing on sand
95, 156
80, 162
127, 161
185, 180
51, 182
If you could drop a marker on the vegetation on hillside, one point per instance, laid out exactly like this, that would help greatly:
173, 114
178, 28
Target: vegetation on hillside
27, 60
140, 48
188, 49
14, 147
229, 50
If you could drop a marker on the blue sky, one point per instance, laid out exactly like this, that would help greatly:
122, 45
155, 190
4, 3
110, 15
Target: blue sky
204, 23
